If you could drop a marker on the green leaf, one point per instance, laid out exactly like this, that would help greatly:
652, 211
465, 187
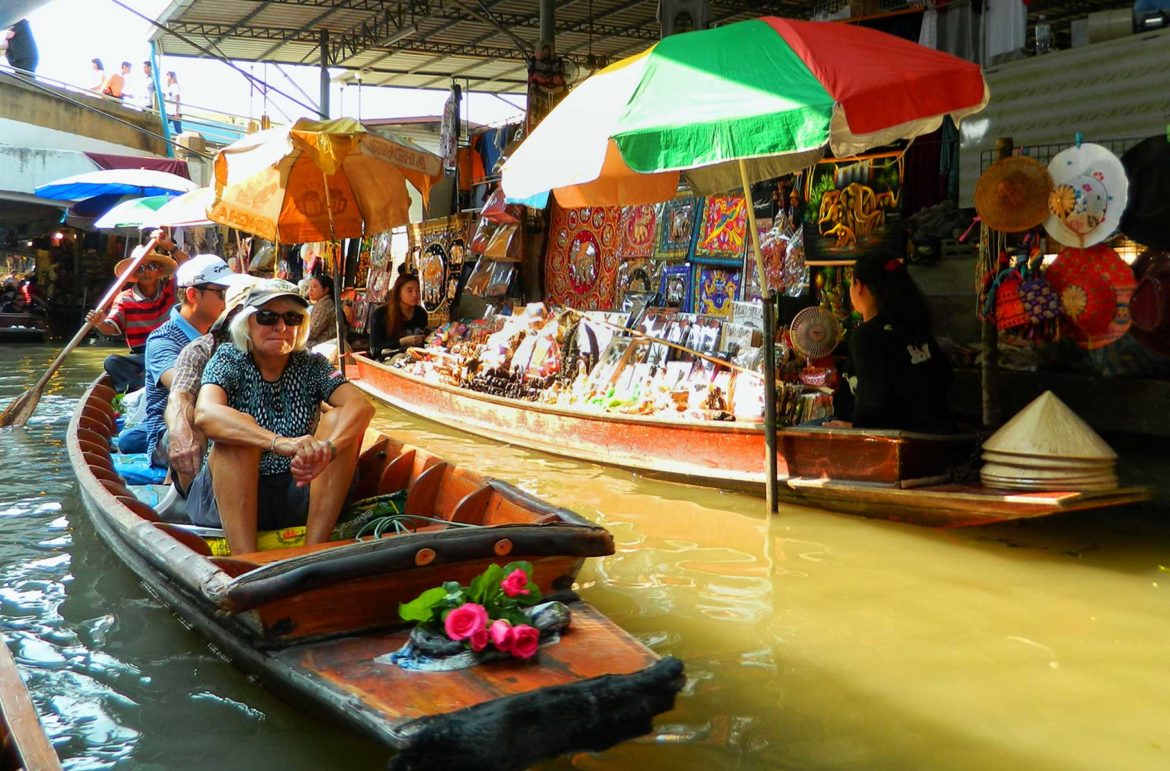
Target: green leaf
423, 608
451, 587
516, 617
485, 584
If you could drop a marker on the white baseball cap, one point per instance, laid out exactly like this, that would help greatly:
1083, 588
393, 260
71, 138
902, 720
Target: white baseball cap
206, 269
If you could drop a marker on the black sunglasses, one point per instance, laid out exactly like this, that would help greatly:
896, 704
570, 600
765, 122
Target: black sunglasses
268, 318
211, 288
147, 267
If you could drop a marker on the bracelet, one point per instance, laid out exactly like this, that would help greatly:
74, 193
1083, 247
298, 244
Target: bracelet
332, 447
272, 447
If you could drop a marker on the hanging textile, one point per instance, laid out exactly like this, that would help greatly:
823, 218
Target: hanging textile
715, 290
722, 230
676, 228
581, 261
438, 249
639, 226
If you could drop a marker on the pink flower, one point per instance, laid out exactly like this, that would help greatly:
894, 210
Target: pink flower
501, 633
525, 641
479, 639
516, 584
463, 621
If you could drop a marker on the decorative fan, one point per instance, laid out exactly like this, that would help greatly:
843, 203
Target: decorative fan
814, 333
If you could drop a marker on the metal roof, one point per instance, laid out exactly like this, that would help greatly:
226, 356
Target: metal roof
426, 43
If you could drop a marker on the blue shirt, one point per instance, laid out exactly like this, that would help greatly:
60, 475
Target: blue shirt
162, 348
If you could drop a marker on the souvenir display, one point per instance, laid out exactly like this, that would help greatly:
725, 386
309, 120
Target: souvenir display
639, 226
1146, 218
432, 243
1088, 195
635, 277
581, 262
722, 235
676, 228
1012, 195
675, 287
856, 208
715, 290
1095, 286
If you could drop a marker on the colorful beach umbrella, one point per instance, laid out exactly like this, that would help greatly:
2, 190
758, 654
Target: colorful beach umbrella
138, 182
132, 213
319, 181
771, 93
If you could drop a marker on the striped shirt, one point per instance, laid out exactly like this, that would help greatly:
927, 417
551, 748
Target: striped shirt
137, 316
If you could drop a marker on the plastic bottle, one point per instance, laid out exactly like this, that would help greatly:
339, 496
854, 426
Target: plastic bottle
1043, 34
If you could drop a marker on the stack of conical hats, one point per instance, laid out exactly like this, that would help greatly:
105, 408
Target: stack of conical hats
1047, 447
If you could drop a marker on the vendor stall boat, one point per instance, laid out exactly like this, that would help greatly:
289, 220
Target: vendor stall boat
315, 622
22, 328
894, 475
23, 743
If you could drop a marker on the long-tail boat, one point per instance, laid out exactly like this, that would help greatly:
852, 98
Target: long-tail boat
23, 328
310, 621
898, 475
23, 744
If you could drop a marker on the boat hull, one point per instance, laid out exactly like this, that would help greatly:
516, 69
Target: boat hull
894, 475
614, 682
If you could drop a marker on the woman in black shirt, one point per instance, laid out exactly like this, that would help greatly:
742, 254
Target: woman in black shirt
897, 376
401, 322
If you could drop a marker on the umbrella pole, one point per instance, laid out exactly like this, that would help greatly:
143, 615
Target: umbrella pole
769, 343
338, 277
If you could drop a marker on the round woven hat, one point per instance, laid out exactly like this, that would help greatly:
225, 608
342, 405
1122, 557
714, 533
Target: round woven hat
1078, 275
1089, 190
1012, 195
166, 266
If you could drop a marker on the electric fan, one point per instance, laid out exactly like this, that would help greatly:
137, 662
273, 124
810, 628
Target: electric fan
814, 333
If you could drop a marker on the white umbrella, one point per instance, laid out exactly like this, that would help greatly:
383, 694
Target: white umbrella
187, 210
140, 182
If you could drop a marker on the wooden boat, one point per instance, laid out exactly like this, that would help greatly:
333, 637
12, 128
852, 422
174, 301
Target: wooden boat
22, 328
309, 621
896, 475
24, 744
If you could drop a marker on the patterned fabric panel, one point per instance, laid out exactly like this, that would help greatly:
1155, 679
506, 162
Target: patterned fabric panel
715, 290
722, 230
581, 260
676, 228
638, 229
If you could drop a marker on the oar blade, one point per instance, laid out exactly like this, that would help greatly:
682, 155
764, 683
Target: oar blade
21, 409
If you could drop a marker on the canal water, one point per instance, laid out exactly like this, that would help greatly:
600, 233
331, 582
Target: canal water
811, 640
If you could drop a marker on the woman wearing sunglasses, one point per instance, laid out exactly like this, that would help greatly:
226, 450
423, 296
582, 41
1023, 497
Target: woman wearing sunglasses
271, 464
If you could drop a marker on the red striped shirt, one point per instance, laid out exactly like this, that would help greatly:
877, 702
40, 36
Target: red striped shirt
138, 316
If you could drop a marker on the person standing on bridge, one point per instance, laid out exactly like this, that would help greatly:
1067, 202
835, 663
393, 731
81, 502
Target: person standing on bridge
174, 98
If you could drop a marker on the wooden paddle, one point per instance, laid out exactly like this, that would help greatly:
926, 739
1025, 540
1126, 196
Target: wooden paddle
22, 408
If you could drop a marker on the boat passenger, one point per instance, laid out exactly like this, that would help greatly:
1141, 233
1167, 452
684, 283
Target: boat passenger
323, 318
139, 310
897, 377
267, 469
401, 322
182, 445
202, 281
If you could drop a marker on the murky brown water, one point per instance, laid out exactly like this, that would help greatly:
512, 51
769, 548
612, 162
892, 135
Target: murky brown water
812, 640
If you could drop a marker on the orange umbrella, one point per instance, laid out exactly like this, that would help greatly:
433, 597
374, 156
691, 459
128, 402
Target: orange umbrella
319, 181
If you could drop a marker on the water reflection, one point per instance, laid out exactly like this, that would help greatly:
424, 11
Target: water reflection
811, 640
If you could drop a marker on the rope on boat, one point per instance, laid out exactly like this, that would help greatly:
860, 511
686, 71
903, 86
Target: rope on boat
398, 523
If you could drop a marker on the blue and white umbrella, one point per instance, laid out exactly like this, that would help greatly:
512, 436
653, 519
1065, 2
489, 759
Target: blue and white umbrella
137, 182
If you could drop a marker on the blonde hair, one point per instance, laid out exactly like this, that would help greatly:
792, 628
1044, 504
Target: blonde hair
239, 331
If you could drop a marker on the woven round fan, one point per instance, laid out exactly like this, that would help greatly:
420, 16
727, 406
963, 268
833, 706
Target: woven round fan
814, 333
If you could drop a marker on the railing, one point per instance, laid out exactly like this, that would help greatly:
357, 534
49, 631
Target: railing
1044, 152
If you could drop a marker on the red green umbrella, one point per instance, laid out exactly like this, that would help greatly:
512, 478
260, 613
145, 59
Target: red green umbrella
722, 108
773, 93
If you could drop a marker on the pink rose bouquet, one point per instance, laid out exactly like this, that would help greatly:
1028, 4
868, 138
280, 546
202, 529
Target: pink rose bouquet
489, 613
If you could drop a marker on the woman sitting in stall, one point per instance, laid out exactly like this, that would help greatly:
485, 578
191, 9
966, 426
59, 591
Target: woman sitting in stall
323, 319
401, 322
261, 396
897, 377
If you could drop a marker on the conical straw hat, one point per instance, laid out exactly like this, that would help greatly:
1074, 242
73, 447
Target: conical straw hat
1047, 427
1047, 462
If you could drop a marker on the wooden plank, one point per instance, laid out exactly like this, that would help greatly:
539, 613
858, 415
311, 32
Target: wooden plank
24, 735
